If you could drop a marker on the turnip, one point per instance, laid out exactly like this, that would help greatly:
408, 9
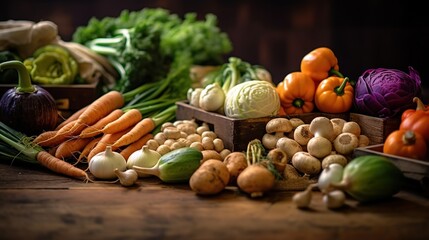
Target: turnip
255, 180
259, 176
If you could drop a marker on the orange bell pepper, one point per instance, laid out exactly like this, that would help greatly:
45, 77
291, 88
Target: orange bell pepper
296, 93
417, 121
334, 95
320, 64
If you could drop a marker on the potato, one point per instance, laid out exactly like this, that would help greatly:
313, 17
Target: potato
210, 178
210, 154
236, 162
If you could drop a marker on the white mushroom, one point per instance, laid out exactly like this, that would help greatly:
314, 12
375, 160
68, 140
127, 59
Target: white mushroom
275, 129
345, 143
302, 134
322, 127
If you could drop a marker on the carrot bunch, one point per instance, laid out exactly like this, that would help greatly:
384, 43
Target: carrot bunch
107, 121
124, 121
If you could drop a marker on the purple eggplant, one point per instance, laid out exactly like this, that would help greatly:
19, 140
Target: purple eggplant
27, 108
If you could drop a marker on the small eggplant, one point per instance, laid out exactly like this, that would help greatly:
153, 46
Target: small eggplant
27, 108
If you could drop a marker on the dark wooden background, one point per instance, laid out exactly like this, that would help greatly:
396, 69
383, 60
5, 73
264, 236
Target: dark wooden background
277, 34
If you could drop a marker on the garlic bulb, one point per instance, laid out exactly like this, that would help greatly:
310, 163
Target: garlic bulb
128, 177
145, 157
103, 164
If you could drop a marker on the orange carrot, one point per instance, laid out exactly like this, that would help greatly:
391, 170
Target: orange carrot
127, 151
128, 119
42, 137
142, 128
106, 139
59, 166
67, 129
60, 135
73, 117
84, 153
100, 108
68, 148
95, 129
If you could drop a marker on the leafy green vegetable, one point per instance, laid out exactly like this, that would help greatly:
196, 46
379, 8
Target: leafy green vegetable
236, 71
145, 46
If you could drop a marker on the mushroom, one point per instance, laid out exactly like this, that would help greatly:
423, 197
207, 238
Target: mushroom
279, 158
352, 127
322, 127
345, 143
334, 158
302, 134
307, 164
338, 124
275, 129
289, 146
296, 122
319, 147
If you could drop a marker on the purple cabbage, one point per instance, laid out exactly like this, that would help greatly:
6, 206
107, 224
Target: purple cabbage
385, 92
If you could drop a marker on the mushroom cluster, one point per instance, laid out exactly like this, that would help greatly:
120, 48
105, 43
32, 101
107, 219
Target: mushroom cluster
312, 147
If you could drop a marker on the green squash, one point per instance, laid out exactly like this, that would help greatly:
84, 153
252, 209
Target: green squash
371, 178
176, 166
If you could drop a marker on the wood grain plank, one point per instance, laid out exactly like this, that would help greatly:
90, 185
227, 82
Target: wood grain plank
69, 209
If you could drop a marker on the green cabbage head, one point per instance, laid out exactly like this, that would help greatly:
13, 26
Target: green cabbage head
252, 99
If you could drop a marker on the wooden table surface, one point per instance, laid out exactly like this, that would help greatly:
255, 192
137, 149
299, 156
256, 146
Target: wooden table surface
38, 204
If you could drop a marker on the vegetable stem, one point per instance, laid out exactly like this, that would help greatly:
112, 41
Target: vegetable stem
24, 81
15, 140
340, 89
298, 103
166, 114
332, 71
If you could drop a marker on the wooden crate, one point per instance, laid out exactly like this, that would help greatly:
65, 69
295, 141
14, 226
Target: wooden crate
69, 98
236, 133
377, 129
415, 171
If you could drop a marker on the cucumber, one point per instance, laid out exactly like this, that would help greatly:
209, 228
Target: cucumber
176, 166
371, 178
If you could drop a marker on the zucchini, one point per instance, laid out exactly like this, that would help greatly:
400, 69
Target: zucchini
176, 166
371, 178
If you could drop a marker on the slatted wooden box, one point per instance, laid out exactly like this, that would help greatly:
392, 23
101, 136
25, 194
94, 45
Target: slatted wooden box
236, 133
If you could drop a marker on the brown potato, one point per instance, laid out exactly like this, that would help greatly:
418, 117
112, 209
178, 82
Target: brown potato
236, 162
210, 178
210, 154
